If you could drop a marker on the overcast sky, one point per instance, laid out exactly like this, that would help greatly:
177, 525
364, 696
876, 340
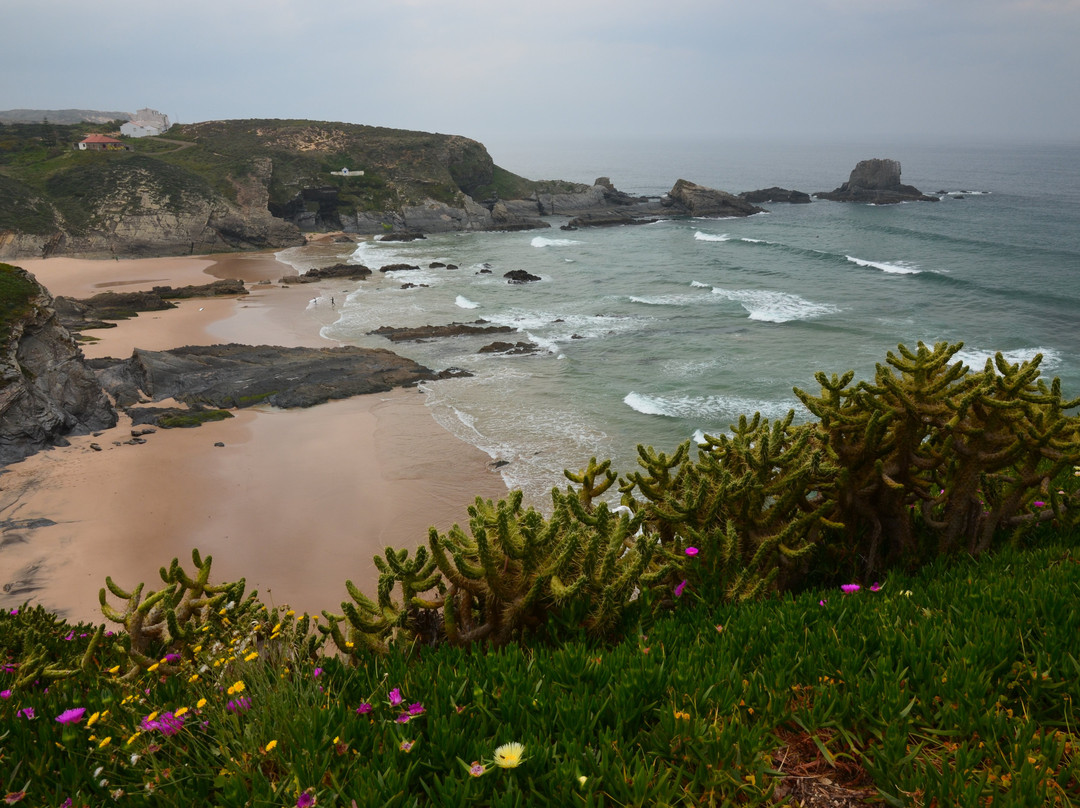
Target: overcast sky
563, 68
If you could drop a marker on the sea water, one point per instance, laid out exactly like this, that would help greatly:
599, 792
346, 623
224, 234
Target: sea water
654, 334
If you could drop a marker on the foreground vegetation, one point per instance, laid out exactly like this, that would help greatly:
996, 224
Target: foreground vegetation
800, 611
959, 684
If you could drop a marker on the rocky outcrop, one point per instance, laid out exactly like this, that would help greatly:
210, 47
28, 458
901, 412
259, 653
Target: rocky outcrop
94, 312
426, 332
46, 389
228, 376
520, 276
350, 271
877, 182
608, 218
775, 194
697, 200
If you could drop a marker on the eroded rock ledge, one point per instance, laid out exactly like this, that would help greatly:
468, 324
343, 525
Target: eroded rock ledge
236, 376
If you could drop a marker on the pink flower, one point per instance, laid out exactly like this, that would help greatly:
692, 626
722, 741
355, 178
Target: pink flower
238, 705
26, 712
317, 672
416, 709
395, 697
166, 724
822, 602
691, 551
305, 800
1039, 503
679, 589
847, 589
875, 587
13, 797
5, 694
72, 716
364, 709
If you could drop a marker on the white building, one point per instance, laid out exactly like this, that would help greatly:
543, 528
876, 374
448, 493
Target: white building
147, 122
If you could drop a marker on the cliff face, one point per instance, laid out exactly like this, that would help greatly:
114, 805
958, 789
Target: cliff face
46, 389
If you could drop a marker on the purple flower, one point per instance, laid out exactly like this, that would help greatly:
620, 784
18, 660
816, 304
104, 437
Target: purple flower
403, 718
822, 602
13, 612
166, 724
1039, 503
67, 803
847, 589
72, 716
691, 551
5, 694
316, 673
364, 709
679, 589
305, 800
172, 658
26, 712
416, 709
14, 796
395, 697
238, 705
875, 587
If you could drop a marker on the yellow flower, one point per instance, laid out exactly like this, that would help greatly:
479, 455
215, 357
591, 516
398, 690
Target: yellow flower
115, 669
90, 722
104, 742
290, 613
276, 629
509, 755
180, 711
196, 649
270, 746
193, 678
200, 704
251, 656
153, 667
131, 740
237, 687
152, 716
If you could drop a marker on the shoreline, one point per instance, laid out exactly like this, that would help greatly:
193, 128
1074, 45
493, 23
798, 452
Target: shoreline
295, 502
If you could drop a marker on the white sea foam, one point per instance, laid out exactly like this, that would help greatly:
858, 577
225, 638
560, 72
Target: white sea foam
666, 300
711, 237
700, 285
541, 241
711, 407
775, 307
895, 267
464, 303
975, 358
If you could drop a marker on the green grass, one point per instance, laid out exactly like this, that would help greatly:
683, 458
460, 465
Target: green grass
954, 686
192, 419
16, 293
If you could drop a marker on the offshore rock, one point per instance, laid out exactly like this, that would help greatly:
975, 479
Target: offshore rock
697, 200
228, 376
775, 194
92, 312
350, 271
46, 389
426, 332
877, 182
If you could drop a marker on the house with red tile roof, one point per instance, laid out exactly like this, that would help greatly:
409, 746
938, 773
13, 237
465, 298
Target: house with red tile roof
101, 143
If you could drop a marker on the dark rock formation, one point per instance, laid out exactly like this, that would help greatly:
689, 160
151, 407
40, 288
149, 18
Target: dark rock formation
401, 237
876, 181
397, 267
46, 389
92, 312
227, 376
350, 271
510, 348
521, 276
697, 200
426, 332
608, 218
775, 194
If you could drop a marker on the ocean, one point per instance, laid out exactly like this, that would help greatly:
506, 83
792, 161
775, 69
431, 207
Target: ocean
654, 334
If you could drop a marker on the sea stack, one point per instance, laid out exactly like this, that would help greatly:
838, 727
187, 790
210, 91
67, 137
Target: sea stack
876, 181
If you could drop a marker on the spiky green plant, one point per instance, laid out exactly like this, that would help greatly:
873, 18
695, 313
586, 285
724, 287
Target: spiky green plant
166, 621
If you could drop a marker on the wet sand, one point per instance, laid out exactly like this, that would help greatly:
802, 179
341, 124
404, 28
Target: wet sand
295, 501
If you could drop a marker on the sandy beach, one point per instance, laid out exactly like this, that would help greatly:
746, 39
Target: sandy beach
295, 501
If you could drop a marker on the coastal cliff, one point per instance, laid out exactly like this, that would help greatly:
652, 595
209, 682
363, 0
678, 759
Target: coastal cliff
46, 389
222, 186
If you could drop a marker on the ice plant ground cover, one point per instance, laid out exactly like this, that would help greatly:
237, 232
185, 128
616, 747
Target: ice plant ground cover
954, 686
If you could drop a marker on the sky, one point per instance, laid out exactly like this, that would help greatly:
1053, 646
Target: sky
500, 71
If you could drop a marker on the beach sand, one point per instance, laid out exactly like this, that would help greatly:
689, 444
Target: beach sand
295, 501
